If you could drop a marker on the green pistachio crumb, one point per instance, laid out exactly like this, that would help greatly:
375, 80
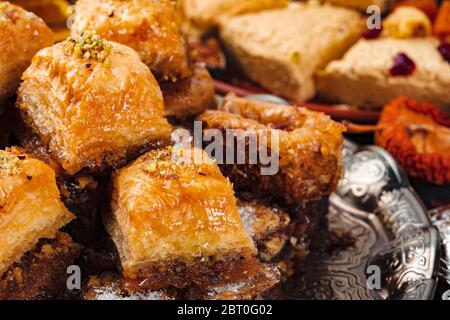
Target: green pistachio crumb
89, 46
9, 163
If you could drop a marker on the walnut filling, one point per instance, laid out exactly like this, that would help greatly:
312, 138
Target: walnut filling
41, 272
203, 272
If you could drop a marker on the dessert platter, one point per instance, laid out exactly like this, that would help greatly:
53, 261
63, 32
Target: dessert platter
224, 150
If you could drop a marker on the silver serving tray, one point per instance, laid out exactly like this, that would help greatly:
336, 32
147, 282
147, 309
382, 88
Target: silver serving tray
441, 219
375, 206
377, 222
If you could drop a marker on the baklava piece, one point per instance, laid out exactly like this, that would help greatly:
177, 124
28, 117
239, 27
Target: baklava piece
189, 97
42, 272
80, 194
22, 34
175, 222
30, 211
282, 49
93, 103
30, 206
110, 286
303, 149
151, 27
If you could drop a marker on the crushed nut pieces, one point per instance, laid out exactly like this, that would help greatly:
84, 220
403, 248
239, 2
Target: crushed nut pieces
89, 46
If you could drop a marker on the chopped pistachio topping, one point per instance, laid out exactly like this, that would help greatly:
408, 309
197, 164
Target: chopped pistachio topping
165, 162
160, 161
3, 12
3, 6
9, 163
89, 46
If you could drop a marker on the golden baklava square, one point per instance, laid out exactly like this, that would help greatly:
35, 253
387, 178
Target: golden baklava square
92, 102
30, 206
175, 222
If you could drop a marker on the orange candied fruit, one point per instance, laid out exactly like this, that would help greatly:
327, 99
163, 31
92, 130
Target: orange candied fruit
442, 22
418, 136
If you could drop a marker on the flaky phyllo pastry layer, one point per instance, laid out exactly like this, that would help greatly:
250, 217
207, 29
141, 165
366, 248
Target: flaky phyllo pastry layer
93, 102
176, 222
151, 27
22, 34
309, 148
30, 206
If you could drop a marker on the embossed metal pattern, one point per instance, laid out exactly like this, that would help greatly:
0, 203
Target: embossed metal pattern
441, 219
375, 206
